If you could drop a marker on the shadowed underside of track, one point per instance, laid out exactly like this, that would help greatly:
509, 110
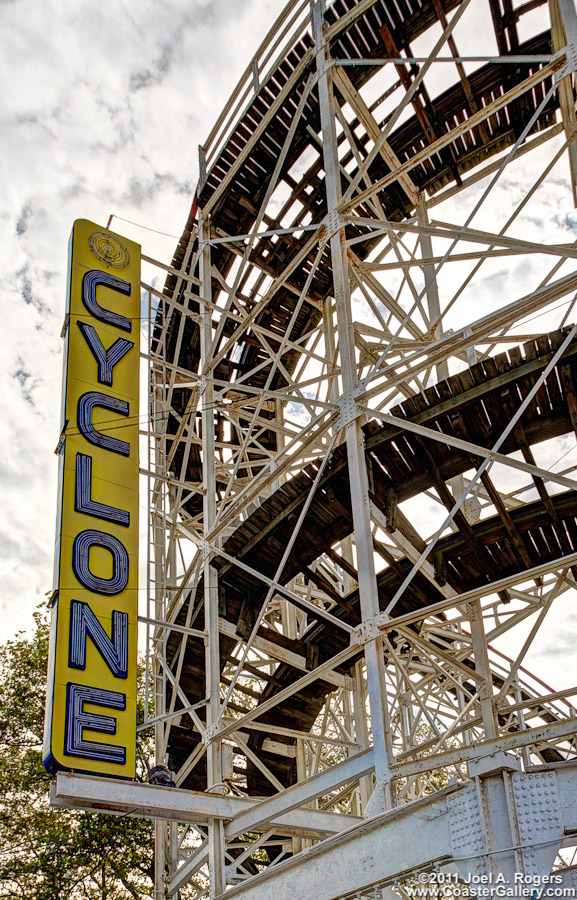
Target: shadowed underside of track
385, 28
476, 404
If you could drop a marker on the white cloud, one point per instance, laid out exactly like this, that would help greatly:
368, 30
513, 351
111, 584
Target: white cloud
102, 110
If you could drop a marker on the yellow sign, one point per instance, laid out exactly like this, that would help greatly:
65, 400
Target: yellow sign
91, 703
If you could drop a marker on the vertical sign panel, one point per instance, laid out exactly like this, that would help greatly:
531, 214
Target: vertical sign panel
91, 704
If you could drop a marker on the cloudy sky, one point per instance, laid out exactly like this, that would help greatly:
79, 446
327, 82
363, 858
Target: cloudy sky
101, 113
102, 110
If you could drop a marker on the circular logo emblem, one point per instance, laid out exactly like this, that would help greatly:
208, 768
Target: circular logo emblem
109, 250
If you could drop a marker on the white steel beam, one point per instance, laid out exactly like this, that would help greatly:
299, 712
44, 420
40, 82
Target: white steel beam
385, 846
447, 826
473, 449
216, 842
190, 866
110, 795
556, 731
451, 136
358, 478
459, 341
299, 794
429, 684
281, 654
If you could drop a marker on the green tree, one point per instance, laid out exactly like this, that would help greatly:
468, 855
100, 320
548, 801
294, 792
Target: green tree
48, 854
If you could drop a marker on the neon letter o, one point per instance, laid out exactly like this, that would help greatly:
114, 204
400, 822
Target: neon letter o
81, 562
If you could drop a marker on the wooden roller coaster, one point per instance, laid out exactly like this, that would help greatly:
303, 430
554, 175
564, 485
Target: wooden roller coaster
357, 524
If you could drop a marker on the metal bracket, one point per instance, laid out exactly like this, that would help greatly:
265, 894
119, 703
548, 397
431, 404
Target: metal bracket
211, 733
61, 439
65, 325
334, 222
205, 550
271, 746
255, 76
467, 831
369, 630
349, 411
323, 64
540, 819
201, 167
493, 764
571, 55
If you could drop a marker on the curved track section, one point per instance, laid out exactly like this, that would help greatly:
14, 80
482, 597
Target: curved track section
477, 403
357, 524
245, 161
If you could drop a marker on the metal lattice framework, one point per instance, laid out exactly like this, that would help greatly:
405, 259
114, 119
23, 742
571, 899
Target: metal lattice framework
356, 533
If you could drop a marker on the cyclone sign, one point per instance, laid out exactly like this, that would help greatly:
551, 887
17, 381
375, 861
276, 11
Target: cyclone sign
91, 702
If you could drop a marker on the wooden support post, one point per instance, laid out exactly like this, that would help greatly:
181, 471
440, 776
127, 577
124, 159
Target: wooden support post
359, 485
563, 31
216, 842
483, 667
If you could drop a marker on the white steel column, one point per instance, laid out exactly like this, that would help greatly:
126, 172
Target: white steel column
563, 33
369, 599
216, 841
483, 667
431, 286
158, 531
361, 728
434, 309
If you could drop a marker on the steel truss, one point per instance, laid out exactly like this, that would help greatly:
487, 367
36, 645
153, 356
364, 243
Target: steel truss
352, 516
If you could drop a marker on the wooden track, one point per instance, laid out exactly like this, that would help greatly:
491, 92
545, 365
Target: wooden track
254, 327
384, 28
477, 404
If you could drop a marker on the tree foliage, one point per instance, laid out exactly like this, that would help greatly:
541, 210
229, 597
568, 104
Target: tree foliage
48, 854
